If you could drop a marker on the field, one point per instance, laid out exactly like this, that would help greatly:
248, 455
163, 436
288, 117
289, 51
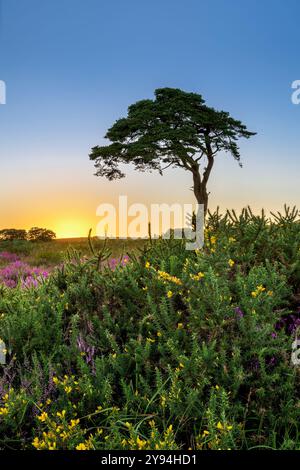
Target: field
161, 348
50, 254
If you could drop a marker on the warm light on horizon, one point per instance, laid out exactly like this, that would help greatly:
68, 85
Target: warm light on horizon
71, 229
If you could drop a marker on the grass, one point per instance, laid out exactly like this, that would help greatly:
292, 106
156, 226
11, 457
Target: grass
50, 254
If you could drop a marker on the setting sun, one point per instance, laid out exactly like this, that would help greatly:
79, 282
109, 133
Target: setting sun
71, 229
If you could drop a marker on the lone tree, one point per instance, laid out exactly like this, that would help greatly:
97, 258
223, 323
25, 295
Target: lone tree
176, 129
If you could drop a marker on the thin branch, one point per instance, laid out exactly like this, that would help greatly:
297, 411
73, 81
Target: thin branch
199, 158
163, 169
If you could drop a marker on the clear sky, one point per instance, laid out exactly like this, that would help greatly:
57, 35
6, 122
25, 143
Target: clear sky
72, 67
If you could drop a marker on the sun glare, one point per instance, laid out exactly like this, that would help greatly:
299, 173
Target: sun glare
71, 229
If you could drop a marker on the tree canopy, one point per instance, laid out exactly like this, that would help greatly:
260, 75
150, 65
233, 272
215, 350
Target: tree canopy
177, 130
34, 234
41, 234
9, 234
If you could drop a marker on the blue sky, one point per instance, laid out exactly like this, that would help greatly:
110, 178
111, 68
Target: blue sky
72, 67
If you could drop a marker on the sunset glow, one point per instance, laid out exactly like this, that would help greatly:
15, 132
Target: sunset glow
61, 106
70, 229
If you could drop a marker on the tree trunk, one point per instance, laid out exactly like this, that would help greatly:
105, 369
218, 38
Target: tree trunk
200, 190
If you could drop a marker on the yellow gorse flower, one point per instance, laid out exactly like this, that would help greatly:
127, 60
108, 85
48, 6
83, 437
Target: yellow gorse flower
64, 435
168, 277
141, 443
150, 340
39, 445
61, 414
73, 423
259, 289
170, 429
81, 446
43, 417
197, 277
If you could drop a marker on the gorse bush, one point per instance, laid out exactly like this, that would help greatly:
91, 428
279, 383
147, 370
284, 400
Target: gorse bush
169, 349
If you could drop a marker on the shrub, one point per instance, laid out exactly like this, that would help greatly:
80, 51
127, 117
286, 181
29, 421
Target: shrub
17, 247
170, 349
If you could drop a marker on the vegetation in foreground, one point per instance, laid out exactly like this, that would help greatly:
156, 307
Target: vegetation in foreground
171, 349
50, 254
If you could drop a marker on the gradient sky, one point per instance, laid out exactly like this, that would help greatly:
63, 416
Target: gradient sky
72, 67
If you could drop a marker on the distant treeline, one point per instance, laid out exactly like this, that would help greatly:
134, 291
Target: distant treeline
34, 234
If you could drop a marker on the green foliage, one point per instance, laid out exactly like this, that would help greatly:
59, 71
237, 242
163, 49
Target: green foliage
174, 349
52, 254
18, 247
12, 234
172, 129
19, 236
36, 234
177, 130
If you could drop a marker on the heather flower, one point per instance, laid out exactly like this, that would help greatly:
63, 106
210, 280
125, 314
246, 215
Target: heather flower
86, 350
239, 312
21, 273
113, 263
9, 257
290, 323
